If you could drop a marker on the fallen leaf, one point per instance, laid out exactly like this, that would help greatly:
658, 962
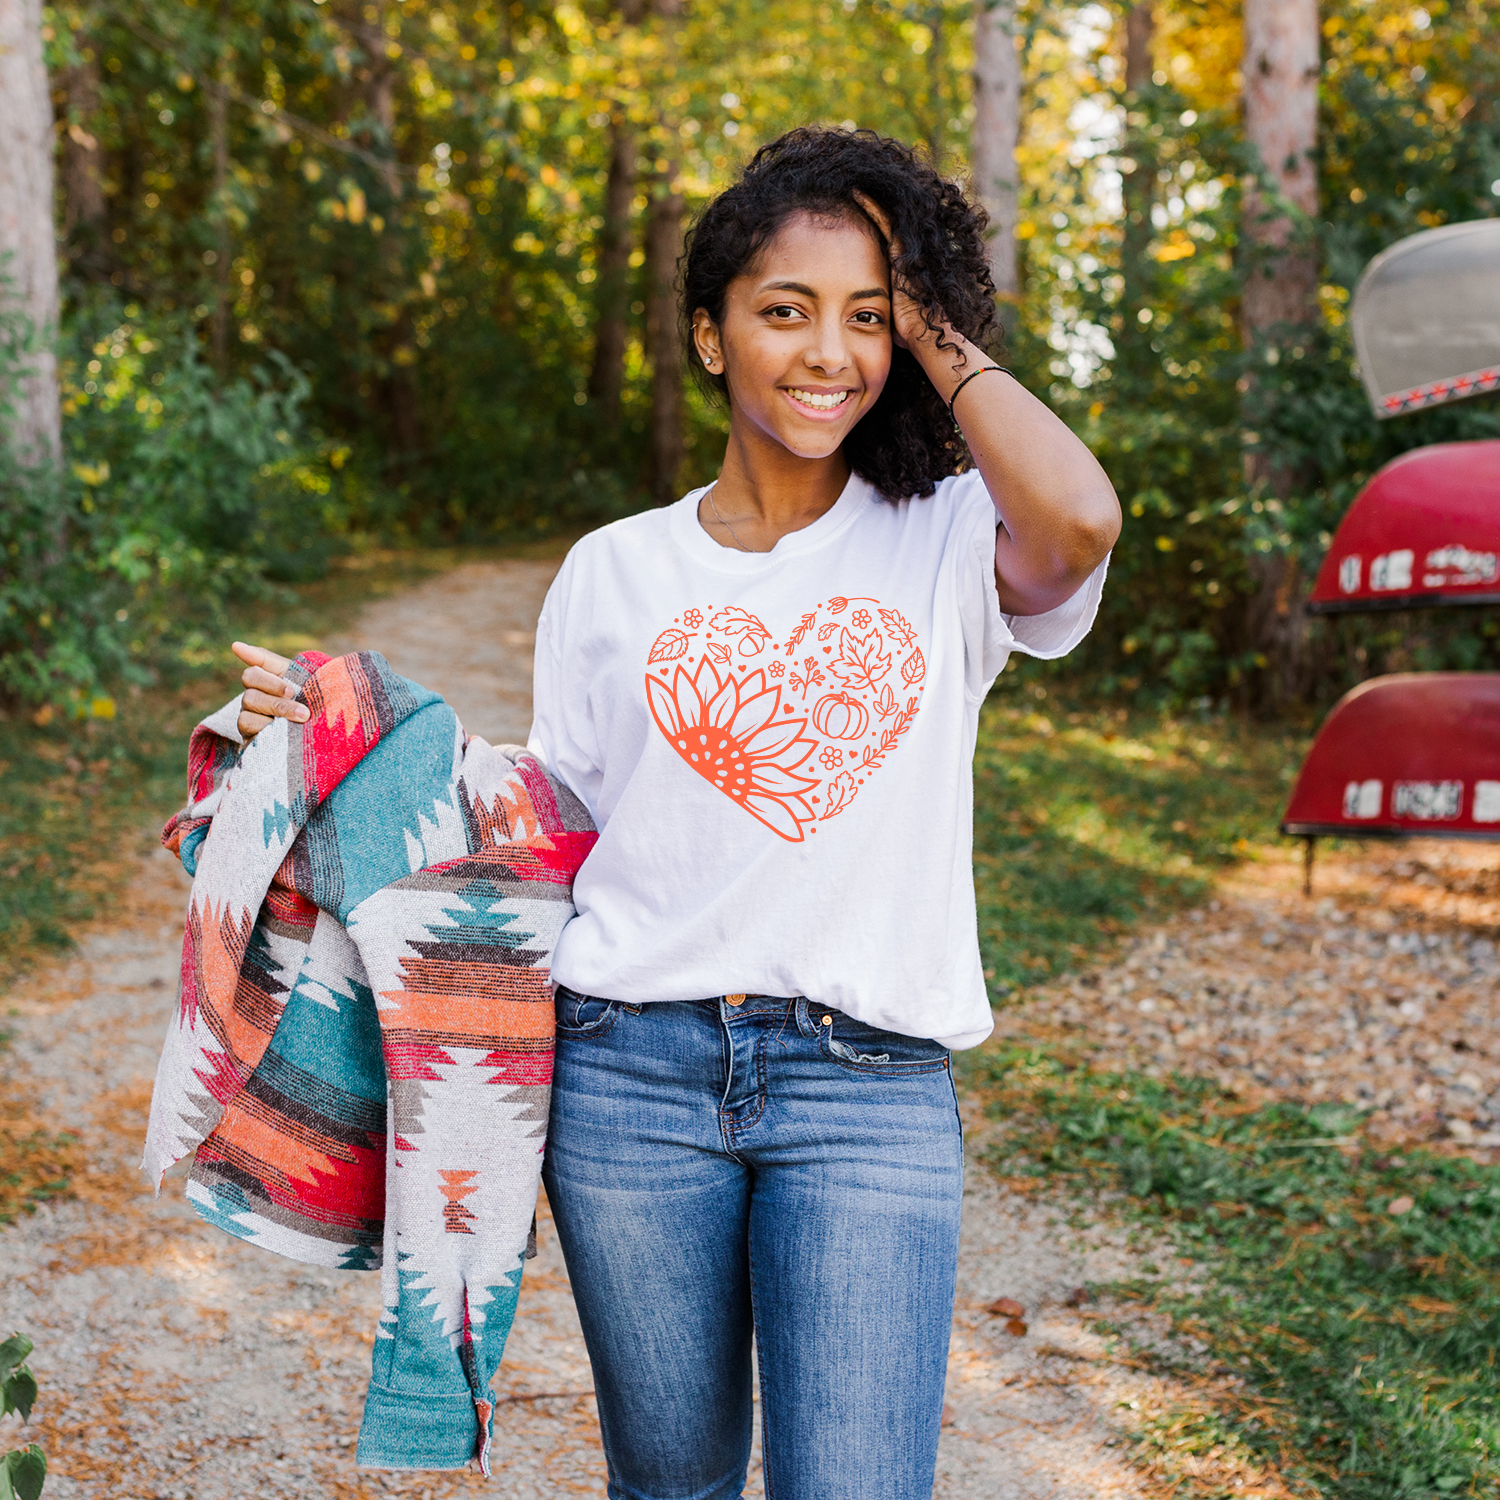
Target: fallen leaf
1017, 1327
1432, 1305
1401, 1205
1006, 1307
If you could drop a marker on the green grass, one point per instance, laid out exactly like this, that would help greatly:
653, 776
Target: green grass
1089, 819
1370, 1337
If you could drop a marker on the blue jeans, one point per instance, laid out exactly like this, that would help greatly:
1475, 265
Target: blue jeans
777, 1170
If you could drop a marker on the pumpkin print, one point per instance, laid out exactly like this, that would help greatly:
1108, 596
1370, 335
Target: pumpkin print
840, 717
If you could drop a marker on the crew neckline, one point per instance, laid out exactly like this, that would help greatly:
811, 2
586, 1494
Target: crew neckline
688, 534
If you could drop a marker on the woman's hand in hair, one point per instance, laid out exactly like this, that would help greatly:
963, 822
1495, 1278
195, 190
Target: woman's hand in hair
908, 321
268, 695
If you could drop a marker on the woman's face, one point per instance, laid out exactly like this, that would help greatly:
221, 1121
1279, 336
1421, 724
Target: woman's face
805, 344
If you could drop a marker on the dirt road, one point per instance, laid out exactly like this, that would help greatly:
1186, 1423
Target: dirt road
179, 1364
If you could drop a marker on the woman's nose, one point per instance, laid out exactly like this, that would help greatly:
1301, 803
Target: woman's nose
828, 351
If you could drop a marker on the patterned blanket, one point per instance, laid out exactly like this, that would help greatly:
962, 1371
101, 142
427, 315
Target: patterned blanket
362, 1052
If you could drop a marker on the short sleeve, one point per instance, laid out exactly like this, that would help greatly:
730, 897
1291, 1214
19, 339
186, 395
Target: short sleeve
1055, 633
990, 636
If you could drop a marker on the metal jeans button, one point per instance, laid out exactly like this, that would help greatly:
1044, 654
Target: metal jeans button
735, 1000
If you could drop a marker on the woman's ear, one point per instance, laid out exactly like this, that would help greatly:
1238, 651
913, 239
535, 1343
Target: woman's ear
706, 342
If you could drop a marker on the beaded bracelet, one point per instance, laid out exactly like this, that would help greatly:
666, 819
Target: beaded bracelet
972, 375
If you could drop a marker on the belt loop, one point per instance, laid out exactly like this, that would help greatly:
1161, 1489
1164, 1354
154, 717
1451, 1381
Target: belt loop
803, 1024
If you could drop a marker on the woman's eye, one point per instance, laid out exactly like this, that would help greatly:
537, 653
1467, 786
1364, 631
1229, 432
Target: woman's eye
869, 318
782, 314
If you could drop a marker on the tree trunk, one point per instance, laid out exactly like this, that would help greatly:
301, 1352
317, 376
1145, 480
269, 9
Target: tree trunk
398, 393
936, 98
663, 246
84, 208
218, 135
1138, 189
28, 241
992, 148
1281, 122
612, 303
1280, 295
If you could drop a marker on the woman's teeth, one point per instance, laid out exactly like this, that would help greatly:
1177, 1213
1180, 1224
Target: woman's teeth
823, 402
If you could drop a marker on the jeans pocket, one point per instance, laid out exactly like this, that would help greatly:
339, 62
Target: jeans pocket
584, 1015
867, 1049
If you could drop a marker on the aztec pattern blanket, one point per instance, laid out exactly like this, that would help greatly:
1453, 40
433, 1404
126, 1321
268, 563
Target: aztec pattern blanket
362, 1051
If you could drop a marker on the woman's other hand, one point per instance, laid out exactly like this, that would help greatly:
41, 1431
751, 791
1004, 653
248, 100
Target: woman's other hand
268, 695
908, 321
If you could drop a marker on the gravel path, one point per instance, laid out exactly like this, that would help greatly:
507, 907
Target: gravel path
179, 1364
1382, 990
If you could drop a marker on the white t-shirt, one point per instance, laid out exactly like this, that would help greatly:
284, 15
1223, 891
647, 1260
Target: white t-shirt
777, 750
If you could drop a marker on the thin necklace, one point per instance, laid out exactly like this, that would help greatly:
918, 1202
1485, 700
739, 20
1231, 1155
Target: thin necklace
714, 506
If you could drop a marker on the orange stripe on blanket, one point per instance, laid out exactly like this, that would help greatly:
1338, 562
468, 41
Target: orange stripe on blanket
485, 1015
296, 1161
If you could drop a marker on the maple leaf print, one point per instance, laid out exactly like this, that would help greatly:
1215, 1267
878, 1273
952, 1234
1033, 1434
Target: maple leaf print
840, 793
913, 669
860, 663
719, 653
885, 703
734, 621
670, 644
897, 626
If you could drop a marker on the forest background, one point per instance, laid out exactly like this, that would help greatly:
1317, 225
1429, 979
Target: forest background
337, 273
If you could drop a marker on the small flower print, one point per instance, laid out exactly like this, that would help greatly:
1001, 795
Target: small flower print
831, 758
861, 619
693, 619
778, 669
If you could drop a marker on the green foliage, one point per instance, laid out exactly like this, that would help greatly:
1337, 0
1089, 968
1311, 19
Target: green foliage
412, 201
1172, 404
17, 1383
1088, 820
22, 1470
176, 494
1357, 1291
409, 216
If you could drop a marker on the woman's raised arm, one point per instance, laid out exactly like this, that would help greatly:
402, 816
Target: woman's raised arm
1058, 511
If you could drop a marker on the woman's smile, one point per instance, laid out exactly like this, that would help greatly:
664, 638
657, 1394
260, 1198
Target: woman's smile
818, 405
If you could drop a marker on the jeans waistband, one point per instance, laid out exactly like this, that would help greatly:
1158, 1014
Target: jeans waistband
758, 1004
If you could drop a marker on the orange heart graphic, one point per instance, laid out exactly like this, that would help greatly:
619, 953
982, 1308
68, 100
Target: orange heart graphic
760, 724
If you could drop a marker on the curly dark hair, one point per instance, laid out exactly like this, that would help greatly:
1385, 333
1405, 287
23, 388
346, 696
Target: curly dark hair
907, 441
